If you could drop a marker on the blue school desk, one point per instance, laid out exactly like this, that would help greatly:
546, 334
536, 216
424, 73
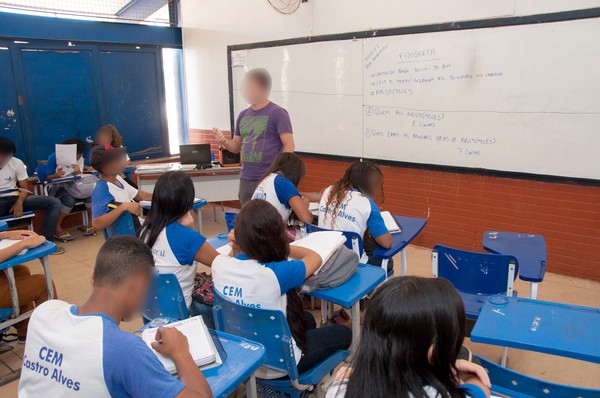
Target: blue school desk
529, 249
197, 207
218, 240
551, 328
411, 227
244, 357
348, 295
41, 253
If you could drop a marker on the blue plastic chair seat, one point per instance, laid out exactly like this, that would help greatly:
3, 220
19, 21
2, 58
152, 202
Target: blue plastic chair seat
473, 303
5, 313
165, 299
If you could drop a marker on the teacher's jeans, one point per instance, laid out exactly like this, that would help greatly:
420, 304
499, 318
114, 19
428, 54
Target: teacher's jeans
247, 188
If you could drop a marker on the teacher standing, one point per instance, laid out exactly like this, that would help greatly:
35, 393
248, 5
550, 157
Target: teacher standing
262, 132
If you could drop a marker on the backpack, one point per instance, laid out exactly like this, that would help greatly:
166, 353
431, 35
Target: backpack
338, 269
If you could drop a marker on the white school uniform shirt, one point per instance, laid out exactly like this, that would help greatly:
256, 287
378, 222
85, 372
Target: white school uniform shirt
71, 355
277, 190
106, 192
247, 282
174, 252
355, 213
11, 173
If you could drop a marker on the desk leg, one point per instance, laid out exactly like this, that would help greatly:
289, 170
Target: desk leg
251, 391
533, 291
46, 266
355, 330
404, 265
324, 311
10, 275
199, 219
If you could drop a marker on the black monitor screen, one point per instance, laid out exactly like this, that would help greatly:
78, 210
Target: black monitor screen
194, 154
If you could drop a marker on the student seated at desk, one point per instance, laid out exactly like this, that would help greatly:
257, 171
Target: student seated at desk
279, 187
176, 246
16, 198
61, 191
76, 351
260, 275
410, 350
348, 205
111, 189
32, 289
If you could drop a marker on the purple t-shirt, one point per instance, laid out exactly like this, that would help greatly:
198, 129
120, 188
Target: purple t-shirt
261, 143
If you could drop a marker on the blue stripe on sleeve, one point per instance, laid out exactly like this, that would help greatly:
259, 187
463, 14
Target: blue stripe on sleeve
51, 164
289, 274
473, 391
375, 222
101, 198
184, 242
285, 190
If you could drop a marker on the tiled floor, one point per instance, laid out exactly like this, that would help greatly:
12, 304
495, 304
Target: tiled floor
72, 272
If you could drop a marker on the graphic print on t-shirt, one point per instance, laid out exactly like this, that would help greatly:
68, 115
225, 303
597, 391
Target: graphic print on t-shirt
251, 129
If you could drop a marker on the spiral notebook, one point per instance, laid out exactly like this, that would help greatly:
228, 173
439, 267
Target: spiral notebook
390, 222
202, 346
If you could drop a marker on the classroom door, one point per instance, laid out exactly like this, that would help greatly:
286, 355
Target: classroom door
60, 97
133, 99
10, 118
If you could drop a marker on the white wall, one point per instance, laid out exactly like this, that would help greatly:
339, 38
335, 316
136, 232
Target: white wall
209, 26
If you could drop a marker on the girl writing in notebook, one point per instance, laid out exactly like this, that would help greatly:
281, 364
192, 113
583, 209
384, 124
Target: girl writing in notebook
279, 187
176, 246
349, 205
411, 350
260, 275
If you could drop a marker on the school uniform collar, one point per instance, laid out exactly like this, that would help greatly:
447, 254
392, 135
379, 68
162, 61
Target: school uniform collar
242, 256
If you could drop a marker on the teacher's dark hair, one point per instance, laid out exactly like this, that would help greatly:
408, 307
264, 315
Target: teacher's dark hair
261, 235
261, 76
411, 336
172, 198
288, 165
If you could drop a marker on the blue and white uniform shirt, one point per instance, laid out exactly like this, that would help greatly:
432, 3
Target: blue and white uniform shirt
106, 192
247, 282
10, 174
71, 355
355, 213
277, 190
174, 252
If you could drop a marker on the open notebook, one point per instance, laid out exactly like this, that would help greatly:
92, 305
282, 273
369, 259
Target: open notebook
202, 347
155, 167
5, 243
325, 243
390, 222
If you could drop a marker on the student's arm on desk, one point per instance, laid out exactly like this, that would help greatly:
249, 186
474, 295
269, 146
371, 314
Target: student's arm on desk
312, 261
28, 240
300, 208
384, 240
108, 219
172, 343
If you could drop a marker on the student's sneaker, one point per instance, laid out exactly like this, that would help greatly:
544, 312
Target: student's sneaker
59, 250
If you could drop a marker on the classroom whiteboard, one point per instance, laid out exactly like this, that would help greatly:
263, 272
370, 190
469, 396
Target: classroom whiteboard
523, 98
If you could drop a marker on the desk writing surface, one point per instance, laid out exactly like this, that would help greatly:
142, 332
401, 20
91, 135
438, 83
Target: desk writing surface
365, 280
32, 254
551, 328
411, 227
244, 357
529, 250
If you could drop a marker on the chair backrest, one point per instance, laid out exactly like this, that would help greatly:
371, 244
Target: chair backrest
475, 273
42, 173
268, 327
230, 217
354, 241
166, 299
123, 226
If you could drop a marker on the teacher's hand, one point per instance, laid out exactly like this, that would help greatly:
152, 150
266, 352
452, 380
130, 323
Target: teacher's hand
219, 136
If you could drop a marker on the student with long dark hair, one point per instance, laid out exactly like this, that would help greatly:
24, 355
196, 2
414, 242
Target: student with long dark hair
411, 337
176, 246
279, 186
260, 275
349, 205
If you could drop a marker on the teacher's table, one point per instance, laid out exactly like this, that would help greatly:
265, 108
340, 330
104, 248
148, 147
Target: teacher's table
215, 184
528, 249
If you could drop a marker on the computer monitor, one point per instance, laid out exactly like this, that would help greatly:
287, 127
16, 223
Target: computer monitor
198, 154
